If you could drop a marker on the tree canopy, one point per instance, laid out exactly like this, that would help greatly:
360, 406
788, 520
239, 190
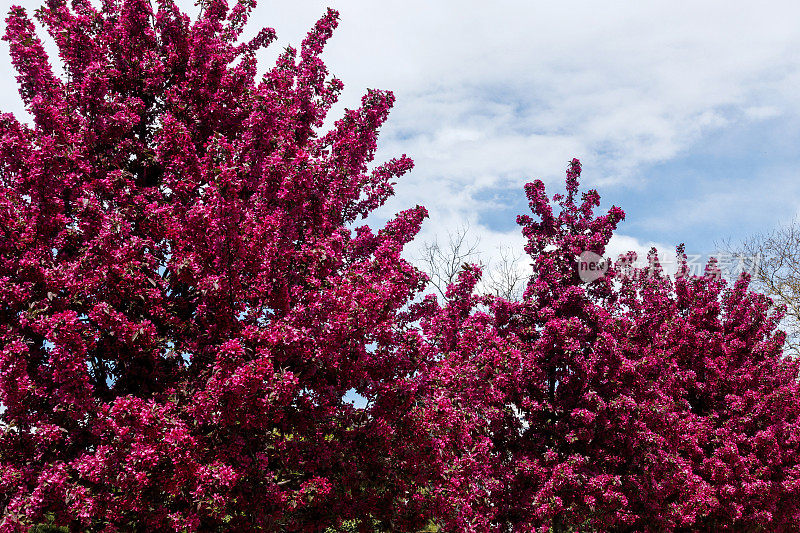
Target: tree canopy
189, 293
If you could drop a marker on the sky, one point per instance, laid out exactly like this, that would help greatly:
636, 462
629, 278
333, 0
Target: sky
685, 114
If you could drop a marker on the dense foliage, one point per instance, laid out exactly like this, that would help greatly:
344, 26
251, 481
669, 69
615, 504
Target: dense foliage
188, 295
183, 304
635, 403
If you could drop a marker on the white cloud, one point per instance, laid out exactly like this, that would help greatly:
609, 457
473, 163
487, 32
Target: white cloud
761, 112
622, 244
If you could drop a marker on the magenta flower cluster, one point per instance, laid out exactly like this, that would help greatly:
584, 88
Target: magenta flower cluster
188, 294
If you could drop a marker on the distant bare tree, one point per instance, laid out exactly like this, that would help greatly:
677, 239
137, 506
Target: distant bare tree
442, 263
506, 277
773, 259
503, 276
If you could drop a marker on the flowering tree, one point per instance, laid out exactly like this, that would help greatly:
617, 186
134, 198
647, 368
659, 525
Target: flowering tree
632, 403
185, 298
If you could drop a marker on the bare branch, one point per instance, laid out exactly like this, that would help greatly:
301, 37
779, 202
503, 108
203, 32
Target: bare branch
506, 277
442, 263
773, 259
